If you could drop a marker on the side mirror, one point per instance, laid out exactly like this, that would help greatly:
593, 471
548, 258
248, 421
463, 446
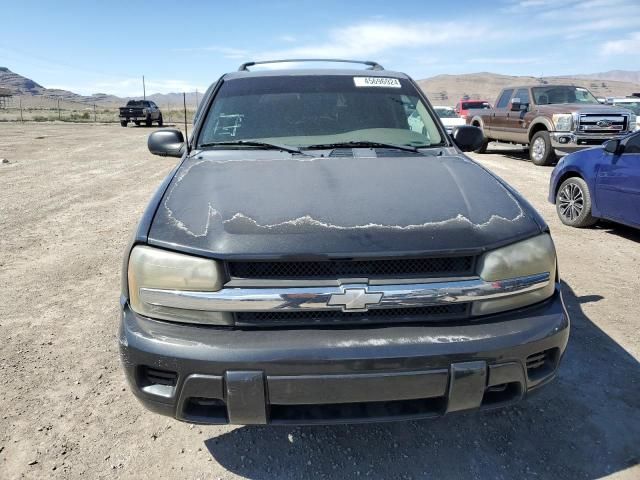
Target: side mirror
613, 146
517, 106
468, 138
168, 142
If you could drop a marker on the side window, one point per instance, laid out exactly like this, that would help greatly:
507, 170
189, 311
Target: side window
523, 95
503, 101
633, 144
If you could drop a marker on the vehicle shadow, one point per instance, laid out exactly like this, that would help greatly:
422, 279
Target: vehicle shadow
513, 152
585, 424
619, 230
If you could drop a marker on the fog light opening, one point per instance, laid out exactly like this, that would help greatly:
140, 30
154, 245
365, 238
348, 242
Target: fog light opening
497, 395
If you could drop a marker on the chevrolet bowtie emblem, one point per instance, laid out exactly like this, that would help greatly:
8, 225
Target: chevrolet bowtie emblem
355, 299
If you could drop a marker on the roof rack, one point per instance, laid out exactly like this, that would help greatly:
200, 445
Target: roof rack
372, 65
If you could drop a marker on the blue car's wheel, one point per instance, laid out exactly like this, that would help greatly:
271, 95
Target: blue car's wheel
573, 203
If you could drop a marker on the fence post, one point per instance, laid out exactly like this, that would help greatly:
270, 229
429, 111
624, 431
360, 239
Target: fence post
21, 117
59, 118
94, 113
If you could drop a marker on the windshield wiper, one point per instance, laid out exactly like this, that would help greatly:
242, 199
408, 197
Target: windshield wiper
364, 144
252, 143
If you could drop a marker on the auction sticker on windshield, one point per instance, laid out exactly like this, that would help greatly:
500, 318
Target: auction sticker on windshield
376, 82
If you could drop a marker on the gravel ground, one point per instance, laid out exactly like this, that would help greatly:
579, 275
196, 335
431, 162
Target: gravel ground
69, 199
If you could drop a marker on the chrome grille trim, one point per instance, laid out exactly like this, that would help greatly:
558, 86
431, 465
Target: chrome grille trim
318, 298
588, 123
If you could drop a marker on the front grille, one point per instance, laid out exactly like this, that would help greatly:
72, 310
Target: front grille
588, 123
331, 269
434, 313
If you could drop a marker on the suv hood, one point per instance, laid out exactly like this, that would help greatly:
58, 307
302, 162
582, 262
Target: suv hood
222, 204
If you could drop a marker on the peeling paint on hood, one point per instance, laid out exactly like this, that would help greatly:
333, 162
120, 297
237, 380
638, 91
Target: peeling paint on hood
277, 205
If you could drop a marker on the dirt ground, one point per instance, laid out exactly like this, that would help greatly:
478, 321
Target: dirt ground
69, 199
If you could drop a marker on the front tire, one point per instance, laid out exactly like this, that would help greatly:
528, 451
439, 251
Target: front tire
160, 120
147, 121
123, 123
573, 203
541, 152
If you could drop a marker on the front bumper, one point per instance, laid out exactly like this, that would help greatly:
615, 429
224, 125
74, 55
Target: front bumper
333, 375
568, 142
133, 118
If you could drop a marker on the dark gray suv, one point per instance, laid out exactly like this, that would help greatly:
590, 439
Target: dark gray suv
316, 257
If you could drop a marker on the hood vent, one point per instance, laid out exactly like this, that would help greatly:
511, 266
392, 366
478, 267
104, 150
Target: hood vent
342, 152
372, 153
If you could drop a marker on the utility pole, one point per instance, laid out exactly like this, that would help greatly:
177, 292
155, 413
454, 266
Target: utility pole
196, 98
144, 90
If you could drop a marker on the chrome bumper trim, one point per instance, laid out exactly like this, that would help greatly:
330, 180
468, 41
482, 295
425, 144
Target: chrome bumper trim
573, 139
320, 298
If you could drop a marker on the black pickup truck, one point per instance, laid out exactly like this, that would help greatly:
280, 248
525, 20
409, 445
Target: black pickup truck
317, 257
138, 111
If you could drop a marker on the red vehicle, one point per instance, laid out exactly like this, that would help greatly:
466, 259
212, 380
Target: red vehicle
463, 106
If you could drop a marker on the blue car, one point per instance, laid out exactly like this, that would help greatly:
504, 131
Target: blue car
599, 183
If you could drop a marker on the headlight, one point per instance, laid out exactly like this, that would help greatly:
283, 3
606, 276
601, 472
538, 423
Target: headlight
529, 257
562, 121
632, 122
154, 268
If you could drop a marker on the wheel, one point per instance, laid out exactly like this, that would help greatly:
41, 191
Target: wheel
483, 148
137, 123
147, 122
573, 203
160, 120
123, 123
540, 151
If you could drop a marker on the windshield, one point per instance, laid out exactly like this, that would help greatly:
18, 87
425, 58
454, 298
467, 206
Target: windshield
445, 112
311, 110
470, 105
137, 103
562, 94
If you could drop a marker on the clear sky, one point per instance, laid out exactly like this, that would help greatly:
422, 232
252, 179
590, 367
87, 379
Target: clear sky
90, 47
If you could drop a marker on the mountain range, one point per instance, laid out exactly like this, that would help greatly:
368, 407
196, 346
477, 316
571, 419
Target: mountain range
441, 89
